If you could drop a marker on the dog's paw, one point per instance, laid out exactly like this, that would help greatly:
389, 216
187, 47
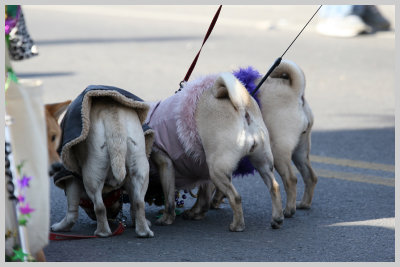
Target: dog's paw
145, 233
303, 206
276, 223
165, 220
191, 215
61, 227
216, 203
103, 232
238, 227
288, 213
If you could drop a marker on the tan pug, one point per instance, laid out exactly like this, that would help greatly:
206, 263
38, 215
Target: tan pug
229, 125
52, 114
289, 120
110, 154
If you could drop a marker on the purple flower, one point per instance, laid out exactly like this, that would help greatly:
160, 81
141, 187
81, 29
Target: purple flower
21, 198
24, 182
26, 209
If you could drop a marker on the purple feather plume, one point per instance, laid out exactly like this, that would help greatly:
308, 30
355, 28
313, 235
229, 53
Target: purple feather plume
247, 76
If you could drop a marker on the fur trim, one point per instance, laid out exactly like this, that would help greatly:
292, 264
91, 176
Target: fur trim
185, 116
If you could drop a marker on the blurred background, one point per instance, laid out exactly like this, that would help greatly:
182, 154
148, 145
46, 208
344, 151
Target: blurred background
148, 49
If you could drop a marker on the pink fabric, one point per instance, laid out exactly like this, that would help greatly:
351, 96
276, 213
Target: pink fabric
173, 121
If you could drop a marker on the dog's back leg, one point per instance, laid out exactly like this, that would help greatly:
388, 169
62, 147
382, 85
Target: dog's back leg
218, 198
302, 161
219, 124
95, 168
167, 179
282, 159
73, 189
221, 175
94, 173
138, 177
202, 205
261, 159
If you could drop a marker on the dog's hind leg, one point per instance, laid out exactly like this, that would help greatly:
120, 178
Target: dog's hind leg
73, 190
262, 161
223, 182
202, 205
218, 198
302, 161
138, 180
221, 168
283, 166
167, 178
94, 173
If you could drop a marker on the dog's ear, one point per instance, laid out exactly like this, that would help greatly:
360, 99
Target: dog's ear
57, 109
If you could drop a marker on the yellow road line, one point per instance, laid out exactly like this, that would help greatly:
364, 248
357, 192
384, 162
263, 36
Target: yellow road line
355, 177
353, 163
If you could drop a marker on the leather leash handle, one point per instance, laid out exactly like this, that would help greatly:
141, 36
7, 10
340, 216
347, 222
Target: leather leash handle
210, 28
61, 237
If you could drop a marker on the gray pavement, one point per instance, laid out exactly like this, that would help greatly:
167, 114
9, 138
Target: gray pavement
147, 50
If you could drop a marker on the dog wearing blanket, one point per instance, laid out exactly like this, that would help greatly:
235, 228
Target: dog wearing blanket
201, 133
104, 149
289, 121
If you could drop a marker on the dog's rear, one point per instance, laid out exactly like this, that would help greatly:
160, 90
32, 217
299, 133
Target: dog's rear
230, 126
289, 120
112, 156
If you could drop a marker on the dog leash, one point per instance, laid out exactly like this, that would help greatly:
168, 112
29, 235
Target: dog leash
59, 237
120, 229
210, 28
279, 59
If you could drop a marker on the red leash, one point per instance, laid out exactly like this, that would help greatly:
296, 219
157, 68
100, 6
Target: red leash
60, 237
210, 28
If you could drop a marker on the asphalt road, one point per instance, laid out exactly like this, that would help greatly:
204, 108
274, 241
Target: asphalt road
147, 50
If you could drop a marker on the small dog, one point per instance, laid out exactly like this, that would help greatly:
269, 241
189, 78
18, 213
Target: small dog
53, 130
213, 122
289, 120
110, 153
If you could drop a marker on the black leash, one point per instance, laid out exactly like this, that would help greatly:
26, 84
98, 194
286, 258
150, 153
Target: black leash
279, 59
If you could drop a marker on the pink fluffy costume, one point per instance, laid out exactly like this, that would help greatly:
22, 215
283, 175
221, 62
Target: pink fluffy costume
173, 121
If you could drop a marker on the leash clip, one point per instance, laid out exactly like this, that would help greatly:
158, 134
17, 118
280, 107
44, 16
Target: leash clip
181, 85
122, 219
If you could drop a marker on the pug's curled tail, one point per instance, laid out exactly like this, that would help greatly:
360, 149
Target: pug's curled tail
228, 86
290, 71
